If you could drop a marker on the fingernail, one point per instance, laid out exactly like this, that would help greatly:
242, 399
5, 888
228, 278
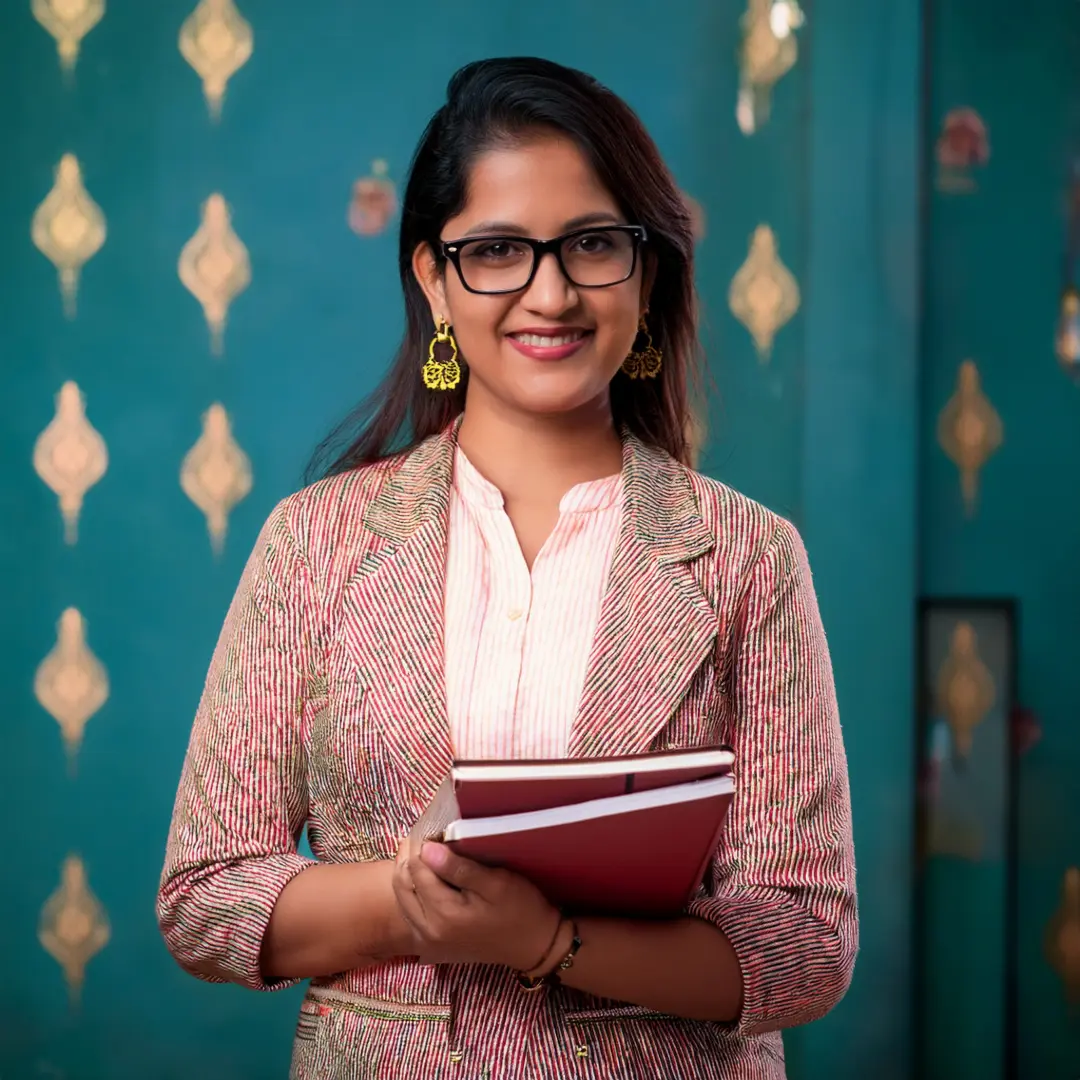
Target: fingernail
433, 854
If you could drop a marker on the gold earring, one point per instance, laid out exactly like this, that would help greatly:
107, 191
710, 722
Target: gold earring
442, 374
643, 363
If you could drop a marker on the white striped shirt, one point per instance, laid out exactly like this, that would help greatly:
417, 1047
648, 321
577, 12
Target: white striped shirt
518, 643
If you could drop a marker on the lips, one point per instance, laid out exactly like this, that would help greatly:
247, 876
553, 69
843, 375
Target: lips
549, 344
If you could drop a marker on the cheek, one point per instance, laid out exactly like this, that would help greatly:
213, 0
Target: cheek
476, 319
616, 327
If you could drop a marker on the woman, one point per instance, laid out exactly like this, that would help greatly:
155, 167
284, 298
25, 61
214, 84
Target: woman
537, 572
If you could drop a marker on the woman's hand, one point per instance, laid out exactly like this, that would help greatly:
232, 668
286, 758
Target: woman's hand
462, 912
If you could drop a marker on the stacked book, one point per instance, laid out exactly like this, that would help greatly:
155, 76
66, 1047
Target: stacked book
630, 836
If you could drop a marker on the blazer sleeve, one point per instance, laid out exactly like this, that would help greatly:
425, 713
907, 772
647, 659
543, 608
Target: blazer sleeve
783, 884
242, 799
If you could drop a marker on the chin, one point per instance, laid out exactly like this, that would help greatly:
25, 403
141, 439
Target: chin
555, 400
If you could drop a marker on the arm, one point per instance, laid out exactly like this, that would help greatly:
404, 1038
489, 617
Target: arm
784, 878
242, 803
462, 912
775, 944
334, 918
681, 967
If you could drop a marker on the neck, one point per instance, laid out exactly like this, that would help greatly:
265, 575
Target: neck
539, 458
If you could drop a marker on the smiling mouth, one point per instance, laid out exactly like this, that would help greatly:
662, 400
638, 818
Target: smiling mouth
550, 341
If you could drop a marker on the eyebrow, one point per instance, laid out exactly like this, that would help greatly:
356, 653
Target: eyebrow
508, 228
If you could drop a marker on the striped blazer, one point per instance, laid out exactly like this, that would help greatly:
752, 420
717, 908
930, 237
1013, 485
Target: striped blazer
325, 707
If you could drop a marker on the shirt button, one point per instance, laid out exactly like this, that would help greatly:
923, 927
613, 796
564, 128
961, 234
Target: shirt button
514, 614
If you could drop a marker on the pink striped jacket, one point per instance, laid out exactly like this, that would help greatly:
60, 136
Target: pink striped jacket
325, 706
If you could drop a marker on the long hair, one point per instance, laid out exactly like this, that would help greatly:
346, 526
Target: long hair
495, 103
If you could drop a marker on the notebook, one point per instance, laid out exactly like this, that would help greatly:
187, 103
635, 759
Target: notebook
626, 836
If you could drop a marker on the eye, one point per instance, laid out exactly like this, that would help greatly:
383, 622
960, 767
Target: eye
594, 243
493, 250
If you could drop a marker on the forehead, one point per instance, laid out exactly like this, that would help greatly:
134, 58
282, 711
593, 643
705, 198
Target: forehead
538, 185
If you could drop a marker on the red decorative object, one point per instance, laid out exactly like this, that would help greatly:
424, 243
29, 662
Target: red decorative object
374, 202
962, 146
1026, 729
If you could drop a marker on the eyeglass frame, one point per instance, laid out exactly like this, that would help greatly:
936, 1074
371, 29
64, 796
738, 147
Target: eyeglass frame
451, 251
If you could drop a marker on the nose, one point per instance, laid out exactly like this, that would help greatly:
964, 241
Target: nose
550, 292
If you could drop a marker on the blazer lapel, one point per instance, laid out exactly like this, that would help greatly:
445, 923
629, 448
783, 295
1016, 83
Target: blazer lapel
393, 613
656, 626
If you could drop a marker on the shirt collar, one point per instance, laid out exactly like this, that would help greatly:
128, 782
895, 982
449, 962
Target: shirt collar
582, 498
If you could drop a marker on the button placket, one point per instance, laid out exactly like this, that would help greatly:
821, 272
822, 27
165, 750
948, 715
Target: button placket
511, 599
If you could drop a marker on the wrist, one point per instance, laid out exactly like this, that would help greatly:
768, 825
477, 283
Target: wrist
395, 935
560, 945
535, 954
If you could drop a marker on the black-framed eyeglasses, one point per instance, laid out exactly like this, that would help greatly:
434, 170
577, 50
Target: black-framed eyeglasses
593, 258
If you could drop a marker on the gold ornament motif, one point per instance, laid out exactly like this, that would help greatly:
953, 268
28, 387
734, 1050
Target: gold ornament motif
442, 374
374, 201
216, 40
71, 684
969, 431
1062, 941
769, 51
216, 474
73, 927
965, 688
68, 228
69, 21
643, 363
215, 267
70, 456
764, 294
1067, 338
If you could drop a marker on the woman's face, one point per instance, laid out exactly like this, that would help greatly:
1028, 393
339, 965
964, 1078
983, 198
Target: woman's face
552, 347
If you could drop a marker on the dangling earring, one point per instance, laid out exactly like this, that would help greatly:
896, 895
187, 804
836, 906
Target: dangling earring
442, 374
643, 363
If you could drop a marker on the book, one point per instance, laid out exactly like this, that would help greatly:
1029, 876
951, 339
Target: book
626, 836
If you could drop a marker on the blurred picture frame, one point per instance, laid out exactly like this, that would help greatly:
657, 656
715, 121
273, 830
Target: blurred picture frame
965, 962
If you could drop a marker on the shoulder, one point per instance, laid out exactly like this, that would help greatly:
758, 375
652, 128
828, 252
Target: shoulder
745, 530
325, 520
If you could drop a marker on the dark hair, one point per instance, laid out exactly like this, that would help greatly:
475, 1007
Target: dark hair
496, 102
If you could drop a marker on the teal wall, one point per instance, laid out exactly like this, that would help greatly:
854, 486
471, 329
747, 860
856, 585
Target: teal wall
826, 432
993, 278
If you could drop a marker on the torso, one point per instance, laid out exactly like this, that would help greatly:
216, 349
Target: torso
380, 733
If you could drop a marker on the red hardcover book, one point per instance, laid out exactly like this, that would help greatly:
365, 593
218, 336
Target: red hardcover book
628, 836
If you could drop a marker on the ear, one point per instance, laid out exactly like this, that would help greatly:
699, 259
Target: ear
426, 271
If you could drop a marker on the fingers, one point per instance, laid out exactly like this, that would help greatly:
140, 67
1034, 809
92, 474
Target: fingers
435, 893
462, 873
427, 903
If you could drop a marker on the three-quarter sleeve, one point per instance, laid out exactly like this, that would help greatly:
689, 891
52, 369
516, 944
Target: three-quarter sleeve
783, 884
242, 799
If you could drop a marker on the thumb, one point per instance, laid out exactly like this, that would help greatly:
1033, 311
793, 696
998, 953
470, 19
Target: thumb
454, 870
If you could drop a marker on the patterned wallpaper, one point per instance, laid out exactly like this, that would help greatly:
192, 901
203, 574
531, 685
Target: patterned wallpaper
171, 397
198, 279
69, 228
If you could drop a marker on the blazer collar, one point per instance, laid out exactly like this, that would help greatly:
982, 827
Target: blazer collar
661, 508
655, 630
